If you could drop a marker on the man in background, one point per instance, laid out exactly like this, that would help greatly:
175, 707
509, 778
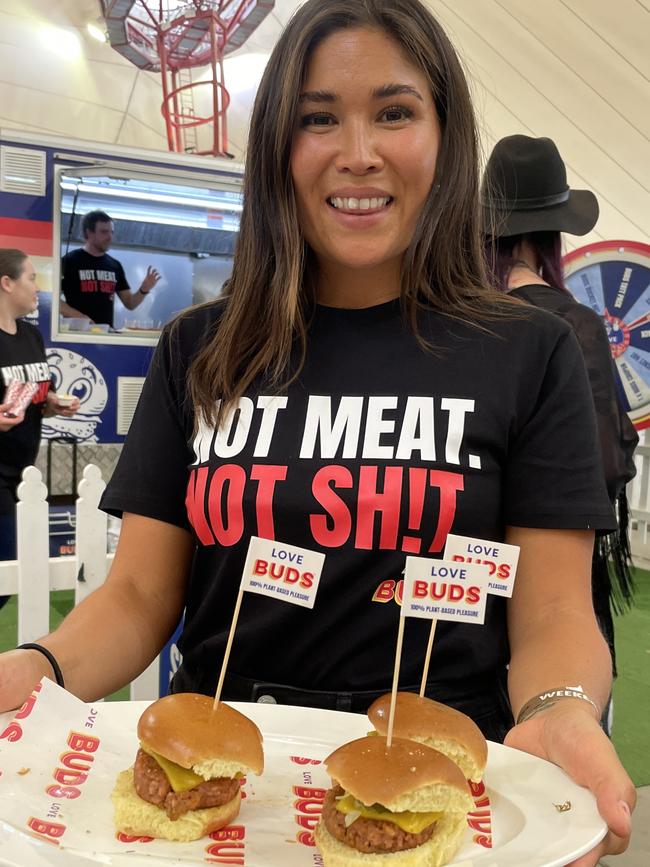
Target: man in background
91, 278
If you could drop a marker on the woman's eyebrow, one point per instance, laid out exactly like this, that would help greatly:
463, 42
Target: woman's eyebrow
386, 91
317, 96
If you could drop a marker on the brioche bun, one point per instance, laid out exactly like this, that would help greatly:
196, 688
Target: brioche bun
135, 816
439, 850
428, 722
404, 776
185, 729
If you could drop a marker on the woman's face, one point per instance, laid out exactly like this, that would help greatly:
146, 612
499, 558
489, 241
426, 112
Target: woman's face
24, 291
364, 152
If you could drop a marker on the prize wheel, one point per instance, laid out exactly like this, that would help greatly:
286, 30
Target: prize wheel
613, 278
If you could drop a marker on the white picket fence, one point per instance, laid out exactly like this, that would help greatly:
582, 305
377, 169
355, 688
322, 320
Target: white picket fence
638, 493
34, 575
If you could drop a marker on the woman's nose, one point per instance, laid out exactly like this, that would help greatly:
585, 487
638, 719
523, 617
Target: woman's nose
358, 151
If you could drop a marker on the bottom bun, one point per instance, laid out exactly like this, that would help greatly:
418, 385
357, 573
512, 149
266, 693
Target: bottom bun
138, 817
439, 850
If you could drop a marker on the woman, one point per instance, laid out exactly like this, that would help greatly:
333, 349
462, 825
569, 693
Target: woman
527, 204
306, 407
22, 358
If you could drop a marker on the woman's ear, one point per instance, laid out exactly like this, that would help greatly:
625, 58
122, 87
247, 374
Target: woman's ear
5, 283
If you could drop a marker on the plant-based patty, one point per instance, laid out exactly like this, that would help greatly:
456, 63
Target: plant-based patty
152, 785
370, 836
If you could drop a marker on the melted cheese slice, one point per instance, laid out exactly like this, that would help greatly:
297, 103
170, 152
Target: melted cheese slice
180, 779
412, 823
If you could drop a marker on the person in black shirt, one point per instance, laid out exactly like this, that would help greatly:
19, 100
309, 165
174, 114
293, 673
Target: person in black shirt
90, 278
360, 390
22, 359
527, 204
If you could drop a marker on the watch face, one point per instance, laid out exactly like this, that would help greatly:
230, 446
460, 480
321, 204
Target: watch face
613, 278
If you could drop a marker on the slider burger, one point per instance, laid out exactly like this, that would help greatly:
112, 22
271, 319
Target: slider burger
185, 782
447, 730
399, 806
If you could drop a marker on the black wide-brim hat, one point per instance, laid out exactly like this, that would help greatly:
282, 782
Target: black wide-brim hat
525, 190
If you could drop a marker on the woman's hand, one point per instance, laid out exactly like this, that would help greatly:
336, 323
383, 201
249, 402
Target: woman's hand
9, 421
20, 671
570, 736
53, 407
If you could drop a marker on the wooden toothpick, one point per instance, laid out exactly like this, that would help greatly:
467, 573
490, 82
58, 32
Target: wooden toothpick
226, 655
427, 658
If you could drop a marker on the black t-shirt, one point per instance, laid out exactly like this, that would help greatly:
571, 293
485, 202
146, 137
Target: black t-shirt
617, 435
22, 357
89, 283
377, 450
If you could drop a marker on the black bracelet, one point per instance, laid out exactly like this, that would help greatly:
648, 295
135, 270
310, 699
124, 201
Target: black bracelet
50, 658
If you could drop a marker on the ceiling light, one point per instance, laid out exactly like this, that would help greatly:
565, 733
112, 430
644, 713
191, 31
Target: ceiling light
122, 193
61, 41
97, 29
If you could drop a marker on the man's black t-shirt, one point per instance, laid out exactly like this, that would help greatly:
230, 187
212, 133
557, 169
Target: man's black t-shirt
379, 449
22, 357
89, 283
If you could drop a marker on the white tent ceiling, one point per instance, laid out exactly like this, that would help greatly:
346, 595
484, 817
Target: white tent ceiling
575, 70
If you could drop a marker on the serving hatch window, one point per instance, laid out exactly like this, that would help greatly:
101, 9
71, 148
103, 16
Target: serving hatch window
169, 244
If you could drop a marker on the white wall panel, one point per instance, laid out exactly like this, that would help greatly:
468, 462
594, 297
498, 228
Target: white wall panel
101, 84
133, 132
602, 69
59, 113
594, 146
144, 102
553, 85
623, 24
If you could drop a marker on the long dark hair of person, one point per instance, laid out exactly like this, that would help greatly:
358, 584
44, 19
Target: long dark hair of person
266, 303
501, 258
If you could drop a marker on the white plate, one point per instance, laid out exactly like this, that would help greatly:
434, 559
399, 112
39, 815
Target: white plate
527, 828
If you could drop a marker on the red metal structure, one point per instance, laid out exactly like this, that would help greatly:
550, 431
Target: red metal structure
175, 36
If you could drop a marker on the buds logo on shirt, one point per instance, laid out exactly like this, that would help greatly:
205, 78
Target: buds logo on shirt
362, 497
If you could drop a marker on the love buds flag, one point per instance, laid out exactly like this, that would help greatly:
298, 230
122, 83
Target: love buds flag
444, 590
501, 560
282, 571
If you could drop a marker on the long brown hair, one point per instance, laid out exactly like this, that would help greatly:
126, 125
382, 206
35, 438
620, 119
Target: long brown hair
266, 305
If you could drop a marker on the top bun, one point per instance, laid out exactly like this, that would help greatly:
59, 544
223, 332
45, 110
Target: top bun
185, 729
404, 776
436, 725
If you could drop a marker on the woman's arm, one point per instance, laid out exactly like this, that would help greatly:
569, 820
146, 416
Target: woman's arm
555, 642
113, 635
554, 637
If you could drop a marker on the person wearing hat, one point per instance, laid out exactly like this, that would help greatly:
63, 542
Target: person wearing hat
527, 204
